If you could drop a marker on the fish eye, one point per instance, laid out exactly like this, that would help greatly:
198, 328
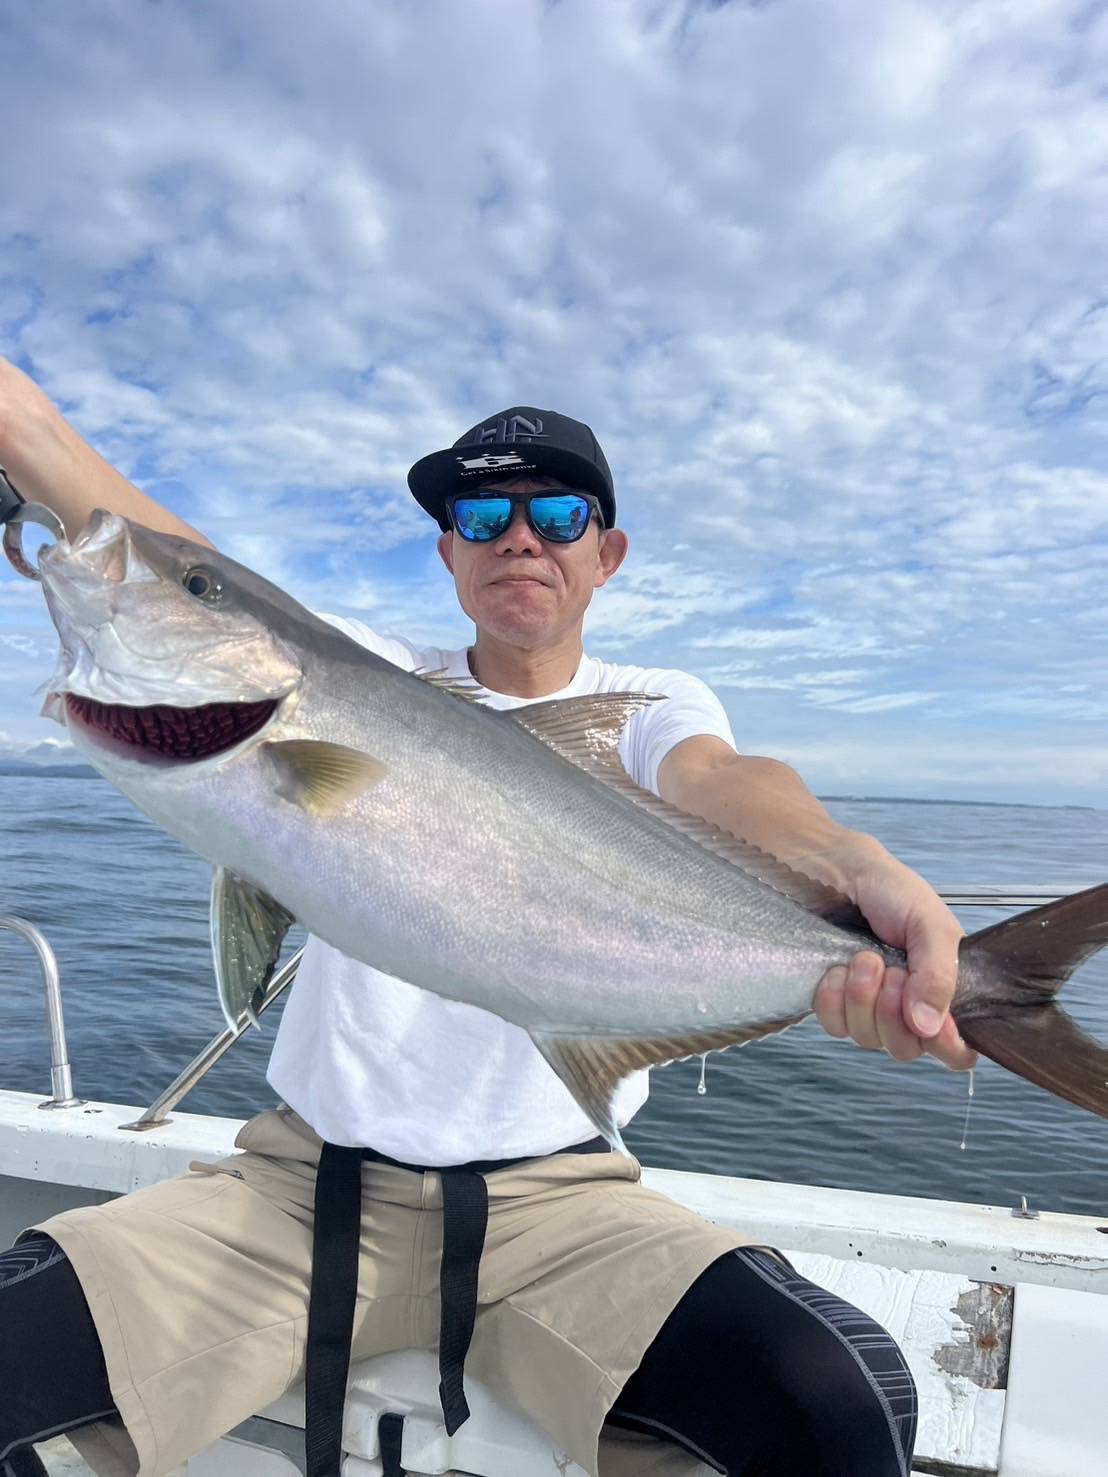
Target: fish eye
205, 584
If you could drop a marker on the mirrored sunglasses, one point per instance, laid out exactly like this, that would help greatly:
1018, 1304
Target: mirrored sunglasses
558, 517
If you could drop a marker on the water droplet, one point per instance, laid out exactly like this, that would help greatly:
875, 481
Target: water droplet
702, 1086
969, 1105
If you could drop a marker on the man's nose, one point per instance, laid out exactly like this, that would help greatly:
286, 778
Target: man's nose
519, 537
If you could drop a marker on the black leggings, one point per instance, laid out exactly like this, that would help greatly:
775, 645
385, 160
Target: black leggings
761, 1373
757, 1371
52, 1374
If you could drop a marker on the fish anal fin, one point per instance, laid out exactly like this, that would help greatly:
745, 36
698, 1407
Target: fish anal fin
320, 777
592, 1067
248, 928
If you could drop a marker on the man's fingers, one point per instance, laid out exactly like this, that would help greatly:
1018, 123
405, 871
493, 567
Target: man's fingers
866, 1001
932, 975
863, 985
949, 1048
895, 1036
830, 1002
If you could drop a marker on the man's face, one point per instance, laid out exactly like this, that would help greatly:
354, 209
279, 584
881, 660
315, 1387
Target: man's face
522, 589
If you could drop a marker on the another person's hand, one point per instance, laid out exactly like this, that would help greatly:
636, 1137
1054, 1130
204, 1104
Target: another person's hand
904, 1011
49, 462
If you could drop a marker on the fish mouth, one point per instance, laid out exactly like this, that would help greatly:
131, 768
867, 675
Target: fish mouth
168, 733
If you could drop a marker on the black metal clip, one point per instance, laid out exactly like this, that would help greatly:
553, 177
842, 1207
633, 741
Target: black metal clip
15, 511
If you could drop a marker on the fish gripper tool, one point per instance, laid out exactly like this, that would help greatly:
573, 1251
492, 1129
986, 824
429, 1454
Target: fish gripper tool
15, 511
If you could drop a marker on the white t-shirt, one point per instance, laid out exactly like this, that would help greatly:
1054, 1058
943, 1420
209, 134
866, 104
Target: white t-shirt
369, 1060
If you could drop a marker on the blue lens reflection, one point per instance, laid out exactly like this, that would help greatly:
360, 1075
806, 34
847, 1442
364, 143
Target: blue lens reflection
560, 516
482, 518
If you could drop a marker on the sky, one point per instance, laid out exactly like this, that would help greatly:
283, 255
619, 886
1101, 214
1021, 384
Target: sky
827, 281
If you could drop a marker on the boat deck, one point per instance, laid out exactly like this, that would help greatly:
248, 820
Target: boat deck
61, 1460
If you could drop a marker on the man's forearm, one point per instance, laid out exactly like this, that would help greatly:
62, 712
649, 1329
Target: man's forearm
767, 803
48, 462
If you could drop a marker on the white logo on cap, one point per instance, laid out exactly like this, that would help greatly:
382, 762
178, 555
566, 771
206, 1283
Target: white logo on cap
490, 463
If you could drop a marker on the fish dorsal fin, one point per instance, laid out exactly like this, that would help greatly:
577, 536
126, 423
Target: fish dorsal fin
586, 731
320, 777
592, 1067
467, 688
248, 928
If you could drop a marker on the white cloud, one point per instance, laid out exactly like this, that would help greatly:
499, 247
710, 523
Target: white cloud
824, 279
648, 596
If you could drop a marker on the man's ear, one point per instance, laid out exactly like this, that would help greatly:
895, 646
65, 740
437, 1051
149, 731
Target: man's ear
445, 545
612, 552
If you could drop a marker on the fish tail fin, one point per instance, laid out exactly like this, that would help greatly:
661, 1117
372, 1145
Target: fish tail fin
1014, 1019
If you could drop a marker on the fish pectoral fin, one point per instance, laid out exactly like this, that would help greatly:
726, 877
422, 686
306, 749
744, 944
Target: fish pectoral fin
592, 1067
248, 928
322, 777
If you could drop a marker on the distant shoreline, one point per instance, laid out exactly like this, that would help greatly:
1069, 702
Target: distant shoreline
46, 768
916, 800
14, 767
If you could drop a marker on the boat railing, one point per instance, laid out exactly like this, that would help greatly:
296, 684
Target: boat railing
186, 1080
61, 1075
1001, 895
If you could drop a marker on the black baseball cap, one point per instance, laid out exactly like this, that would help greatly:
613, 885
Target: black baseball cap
510, 444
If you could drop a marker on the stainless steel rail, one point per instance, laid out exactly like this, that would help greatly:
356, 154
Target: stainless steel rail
61, 1078
1000, 896
206, 1059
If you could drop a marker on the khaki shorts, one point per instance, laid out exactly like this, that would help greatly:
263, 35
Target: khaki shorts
199, 1288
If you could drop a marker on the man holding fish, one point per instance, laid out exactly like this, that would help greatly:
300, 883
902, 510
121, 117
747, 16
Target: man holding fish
583, 1297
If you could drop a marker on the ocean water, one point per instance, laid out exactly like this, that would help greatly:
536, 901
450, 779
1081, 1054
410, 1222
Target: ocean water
125, 908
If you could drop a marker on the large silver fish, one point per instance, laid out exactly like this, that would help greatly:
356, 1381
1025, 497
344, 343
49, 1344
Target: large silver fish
503, 859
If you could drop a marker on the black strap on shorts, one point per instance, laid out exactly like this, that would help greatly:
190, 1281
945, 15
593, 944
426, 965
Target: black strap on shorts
390, 1437
334, 1284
